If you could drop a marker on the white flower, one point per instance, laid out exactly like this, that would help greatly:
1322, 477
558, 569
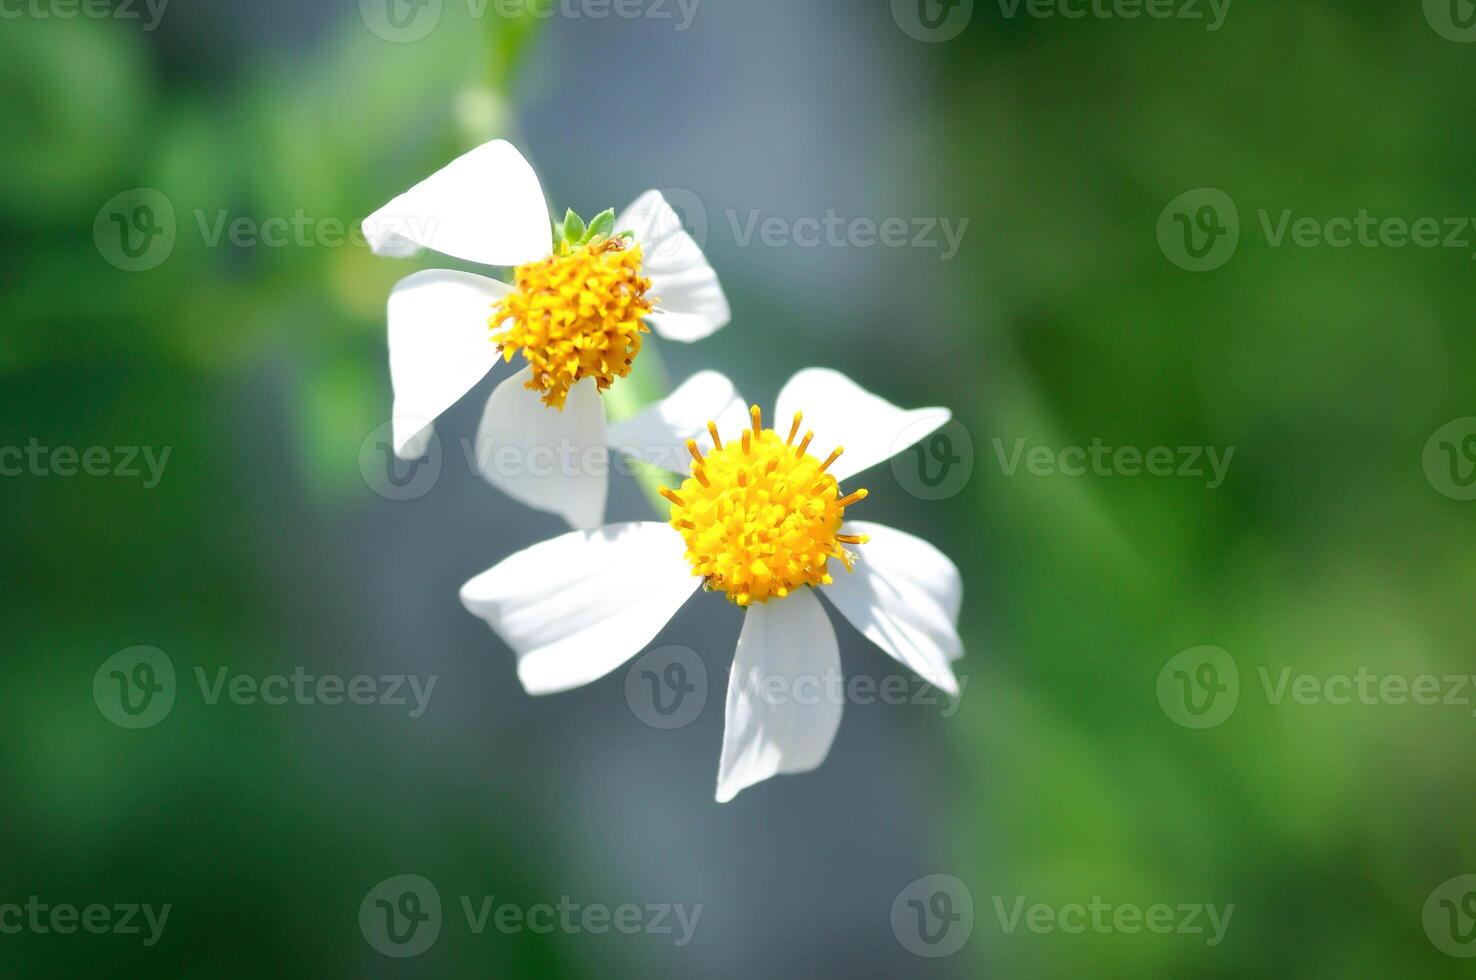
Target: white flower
759, 517
576, 312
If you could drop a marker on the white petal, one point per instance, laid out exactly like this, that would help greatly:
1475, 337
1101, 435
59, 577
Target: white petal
439, 347
904, 596
658, 433
842, 413
690, 301
785, 652
549, 459
576, 607
485, 206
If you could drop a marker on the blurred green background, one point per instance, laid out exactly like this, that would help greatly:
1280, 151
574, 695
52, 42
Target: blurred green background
1065, 776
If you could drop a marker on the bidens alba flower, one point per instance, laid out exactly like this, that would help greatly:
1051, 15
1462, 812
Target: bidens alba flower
762, 518
580, 300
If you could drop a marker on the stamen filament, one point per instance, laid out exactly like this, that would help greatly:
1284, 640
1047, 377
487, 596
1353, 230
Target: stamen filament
794, 428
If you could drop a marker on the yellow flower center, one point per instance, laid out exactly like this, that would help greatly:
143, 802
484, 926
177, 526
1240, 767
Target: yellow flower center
576, 314
760, 516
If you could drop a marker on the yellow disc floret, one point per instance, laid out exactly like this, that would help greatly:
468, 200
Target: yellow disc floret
576, 314
760, 516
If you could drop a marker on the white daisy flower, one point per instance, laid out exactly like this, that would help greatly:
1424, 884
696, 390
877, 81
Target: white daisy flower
759, 517
580, 300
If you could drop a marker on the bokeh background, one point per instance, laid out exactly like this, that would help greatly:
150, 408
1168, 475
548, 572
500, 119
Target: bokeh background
1060, 777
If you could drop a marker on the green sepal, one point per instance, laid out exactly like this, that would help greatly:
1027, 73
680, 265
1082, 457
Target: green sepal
573, 228
601, 225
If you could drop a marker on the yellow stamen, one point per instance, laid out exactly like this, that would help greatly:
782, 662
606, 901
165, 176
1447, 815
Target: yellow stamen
577, 314
794, 429
761, 517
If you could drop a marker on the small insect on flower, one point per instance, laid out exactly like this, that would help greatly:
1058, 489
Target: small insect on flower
581, 298
761, 517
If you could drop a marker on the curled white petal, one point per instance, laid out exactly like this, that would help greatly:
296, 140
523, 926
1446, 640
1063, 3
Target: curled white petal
787, 648
578, 606
842, 413
550, 459
904, 595
439, 347
658, 433
691, 304
485, 206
